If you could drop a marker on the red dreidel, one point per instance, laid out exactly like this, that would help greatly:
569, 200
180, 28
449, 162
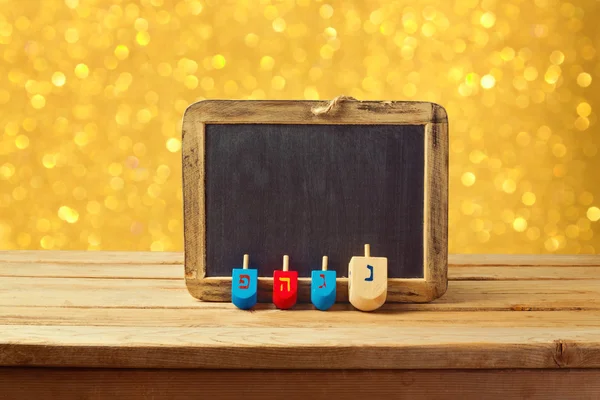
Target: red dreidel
285, 286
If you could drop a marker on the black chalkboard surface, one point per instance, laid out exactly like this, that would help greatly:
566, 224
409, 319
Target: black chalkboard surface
274, 178
286, 189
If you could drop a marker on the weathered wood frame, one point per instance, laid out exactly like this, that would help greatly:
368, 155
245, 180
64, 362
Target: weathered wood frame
435, 240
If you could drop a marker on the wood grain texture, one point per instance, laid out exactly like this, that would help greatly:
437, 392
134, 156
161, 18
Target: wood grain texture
216, 287
69, 383
304, 318
299, 348
512, 321
91, 270
194, 233
436, 207
502, 260
175, 271
95, 264
520, 273
542, 295
67, 257
299, 112
106, 264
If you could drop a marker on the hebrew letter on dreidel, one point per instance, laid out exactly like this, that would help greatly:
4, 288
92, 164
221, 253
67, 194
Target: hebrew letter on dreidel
286, 280
244, 281
324, 285
370, 277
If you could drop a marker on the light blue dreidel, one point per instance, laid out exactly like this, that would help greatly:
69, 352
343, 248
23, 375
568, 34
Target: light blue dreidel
322, 287
244, 285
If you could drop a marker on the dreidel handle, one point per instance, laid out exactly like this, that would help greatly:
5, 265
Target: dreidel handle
286, 262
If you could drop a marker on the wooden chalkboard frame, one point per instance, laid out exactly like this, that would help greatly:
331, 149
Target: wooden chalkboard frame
435, 242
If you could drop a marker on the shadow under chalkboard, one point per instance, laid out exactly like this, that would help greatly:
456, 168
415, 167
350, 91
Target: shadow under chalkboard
314, 190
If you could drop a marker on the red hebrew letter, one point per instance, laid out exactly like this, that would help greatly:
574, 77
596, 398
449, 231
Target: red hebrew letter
244, 281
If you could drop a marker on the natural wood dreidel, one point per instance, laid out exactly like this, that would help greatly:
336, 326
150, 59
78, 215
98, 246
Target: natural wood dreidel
285, 286
244, 285
367, 281
322, 287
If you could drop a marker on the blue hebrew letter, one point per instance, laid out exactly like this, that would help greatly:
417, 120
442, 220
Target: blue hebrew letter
370, 278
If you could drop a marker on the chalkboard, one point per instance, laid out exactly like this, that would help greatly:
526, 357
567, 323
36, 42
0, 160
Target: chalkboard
270, 178
286, 189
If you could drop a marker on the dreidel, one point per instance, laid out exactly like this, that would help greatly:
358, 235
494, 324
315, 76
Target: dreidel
285, 286
367, 281
244, 285
322, 287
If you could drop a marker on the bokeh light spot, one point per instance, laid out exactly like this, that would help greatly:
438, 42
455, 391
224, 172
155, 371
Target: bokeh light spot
468, 179
82, 71
593, 214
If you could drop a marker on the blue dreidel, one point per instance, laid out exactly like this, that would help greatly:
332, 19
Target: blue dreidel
322, 287
244, 285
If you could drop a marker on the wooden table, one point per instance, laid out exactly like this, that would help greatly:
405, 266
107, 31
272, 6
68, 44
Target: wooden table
100, 324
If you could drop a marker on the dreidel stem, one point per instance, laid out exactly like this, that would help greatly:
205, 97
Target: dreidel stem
324, 264
286, 263
246, 261
367, 250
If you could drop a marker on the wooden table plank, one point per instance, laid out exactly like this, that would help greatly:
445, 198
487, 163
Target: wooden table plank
133, 311
231, 317
126, 264
565, 260
167, 293
300, 348
69, 383
115, 270
175, 271
520, 273
91, 257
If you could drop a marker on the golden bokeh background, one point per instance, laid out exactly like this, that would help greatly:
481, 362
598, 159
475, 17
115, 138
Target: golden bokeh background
93, 91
